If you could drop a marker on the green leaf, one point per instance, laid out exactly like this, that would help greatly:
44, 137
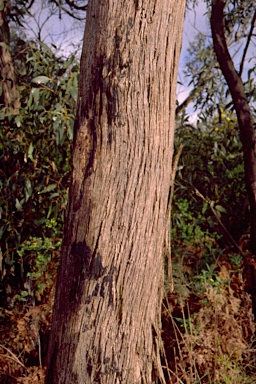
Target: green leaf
49, 188
73, 93
18, 121
55, 194
24, 293
204, 208
35, 95
4, 45
30, 152
220, 208
40, 79
28, 189
18, 205
45, 46
2, 230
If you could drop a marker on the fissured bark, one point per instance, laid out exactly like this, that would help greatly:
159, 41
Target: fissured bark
106, 320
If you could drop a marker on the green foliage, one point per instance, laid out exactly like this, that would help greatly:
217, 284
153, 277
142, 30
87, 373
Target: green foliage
236, 260
39, 253
187, 227
209, 210
210, 167
206, 216
35, 152
210, 215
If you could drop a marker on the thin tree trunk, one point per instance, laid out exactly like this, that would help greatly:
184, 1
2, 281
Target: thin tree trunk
8, 78
106, 319
242, 108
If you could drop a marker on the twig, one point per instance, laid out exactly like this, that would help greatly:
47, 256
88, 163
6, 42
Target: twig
173, 174
39, 350
247, 44
12, 357
167, 224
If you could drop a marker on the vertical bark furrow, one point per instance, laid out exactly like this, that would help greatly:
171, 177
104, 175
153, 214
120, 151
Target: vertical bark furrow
127, 64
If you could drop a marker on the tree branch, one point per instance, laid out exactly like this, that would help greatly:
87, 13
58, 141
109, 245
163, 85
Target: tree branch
247, 44
71, 4
242, 108
192, 95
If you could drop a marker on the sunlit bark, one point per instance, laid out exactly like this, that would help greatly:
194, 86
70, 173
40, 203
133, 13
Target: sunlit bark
106, 320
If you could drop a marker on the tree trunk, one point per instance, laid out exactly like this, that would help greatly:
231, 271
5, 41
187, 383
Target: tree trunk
106, 318
7, 74
242, 108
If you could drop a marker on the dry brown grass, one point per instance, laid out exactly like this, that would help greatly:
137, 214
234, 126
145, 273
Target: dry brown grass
214, 343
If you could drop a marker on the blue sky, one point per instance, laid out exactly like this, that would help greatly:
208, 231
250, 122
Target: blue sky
195, 21
64, 32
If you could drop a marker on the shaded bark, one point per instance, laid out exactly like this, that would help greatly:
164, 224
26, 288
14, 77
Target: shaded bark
8, 77
106, 318
242, 108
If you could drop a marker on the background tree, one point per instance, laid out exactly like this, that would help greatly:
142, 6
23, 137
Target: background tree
241, 105
106, 320
209, 89
212, 97
8, 76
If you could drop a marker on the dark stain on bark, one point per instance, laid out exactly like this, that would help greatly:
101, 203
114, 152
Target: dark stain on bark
87, 261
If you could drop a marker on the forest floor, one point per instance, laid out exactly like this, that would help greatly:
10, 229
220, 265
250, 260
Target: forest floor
208, 323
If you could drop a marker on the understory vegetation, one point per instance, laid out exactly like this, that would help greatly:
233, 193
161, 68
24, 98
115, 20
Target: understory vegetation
35, 152
209, 315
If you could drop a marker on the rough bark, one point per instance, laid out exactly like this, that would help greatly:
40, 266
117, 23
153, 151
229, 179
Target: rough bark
242, 108
106, 318
8, 77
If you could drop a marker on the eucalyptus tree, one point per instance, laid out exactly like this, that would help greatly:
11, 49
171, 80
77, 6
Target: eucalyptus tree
209, 91
106, 321
220, 68
7, 73
240, 100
